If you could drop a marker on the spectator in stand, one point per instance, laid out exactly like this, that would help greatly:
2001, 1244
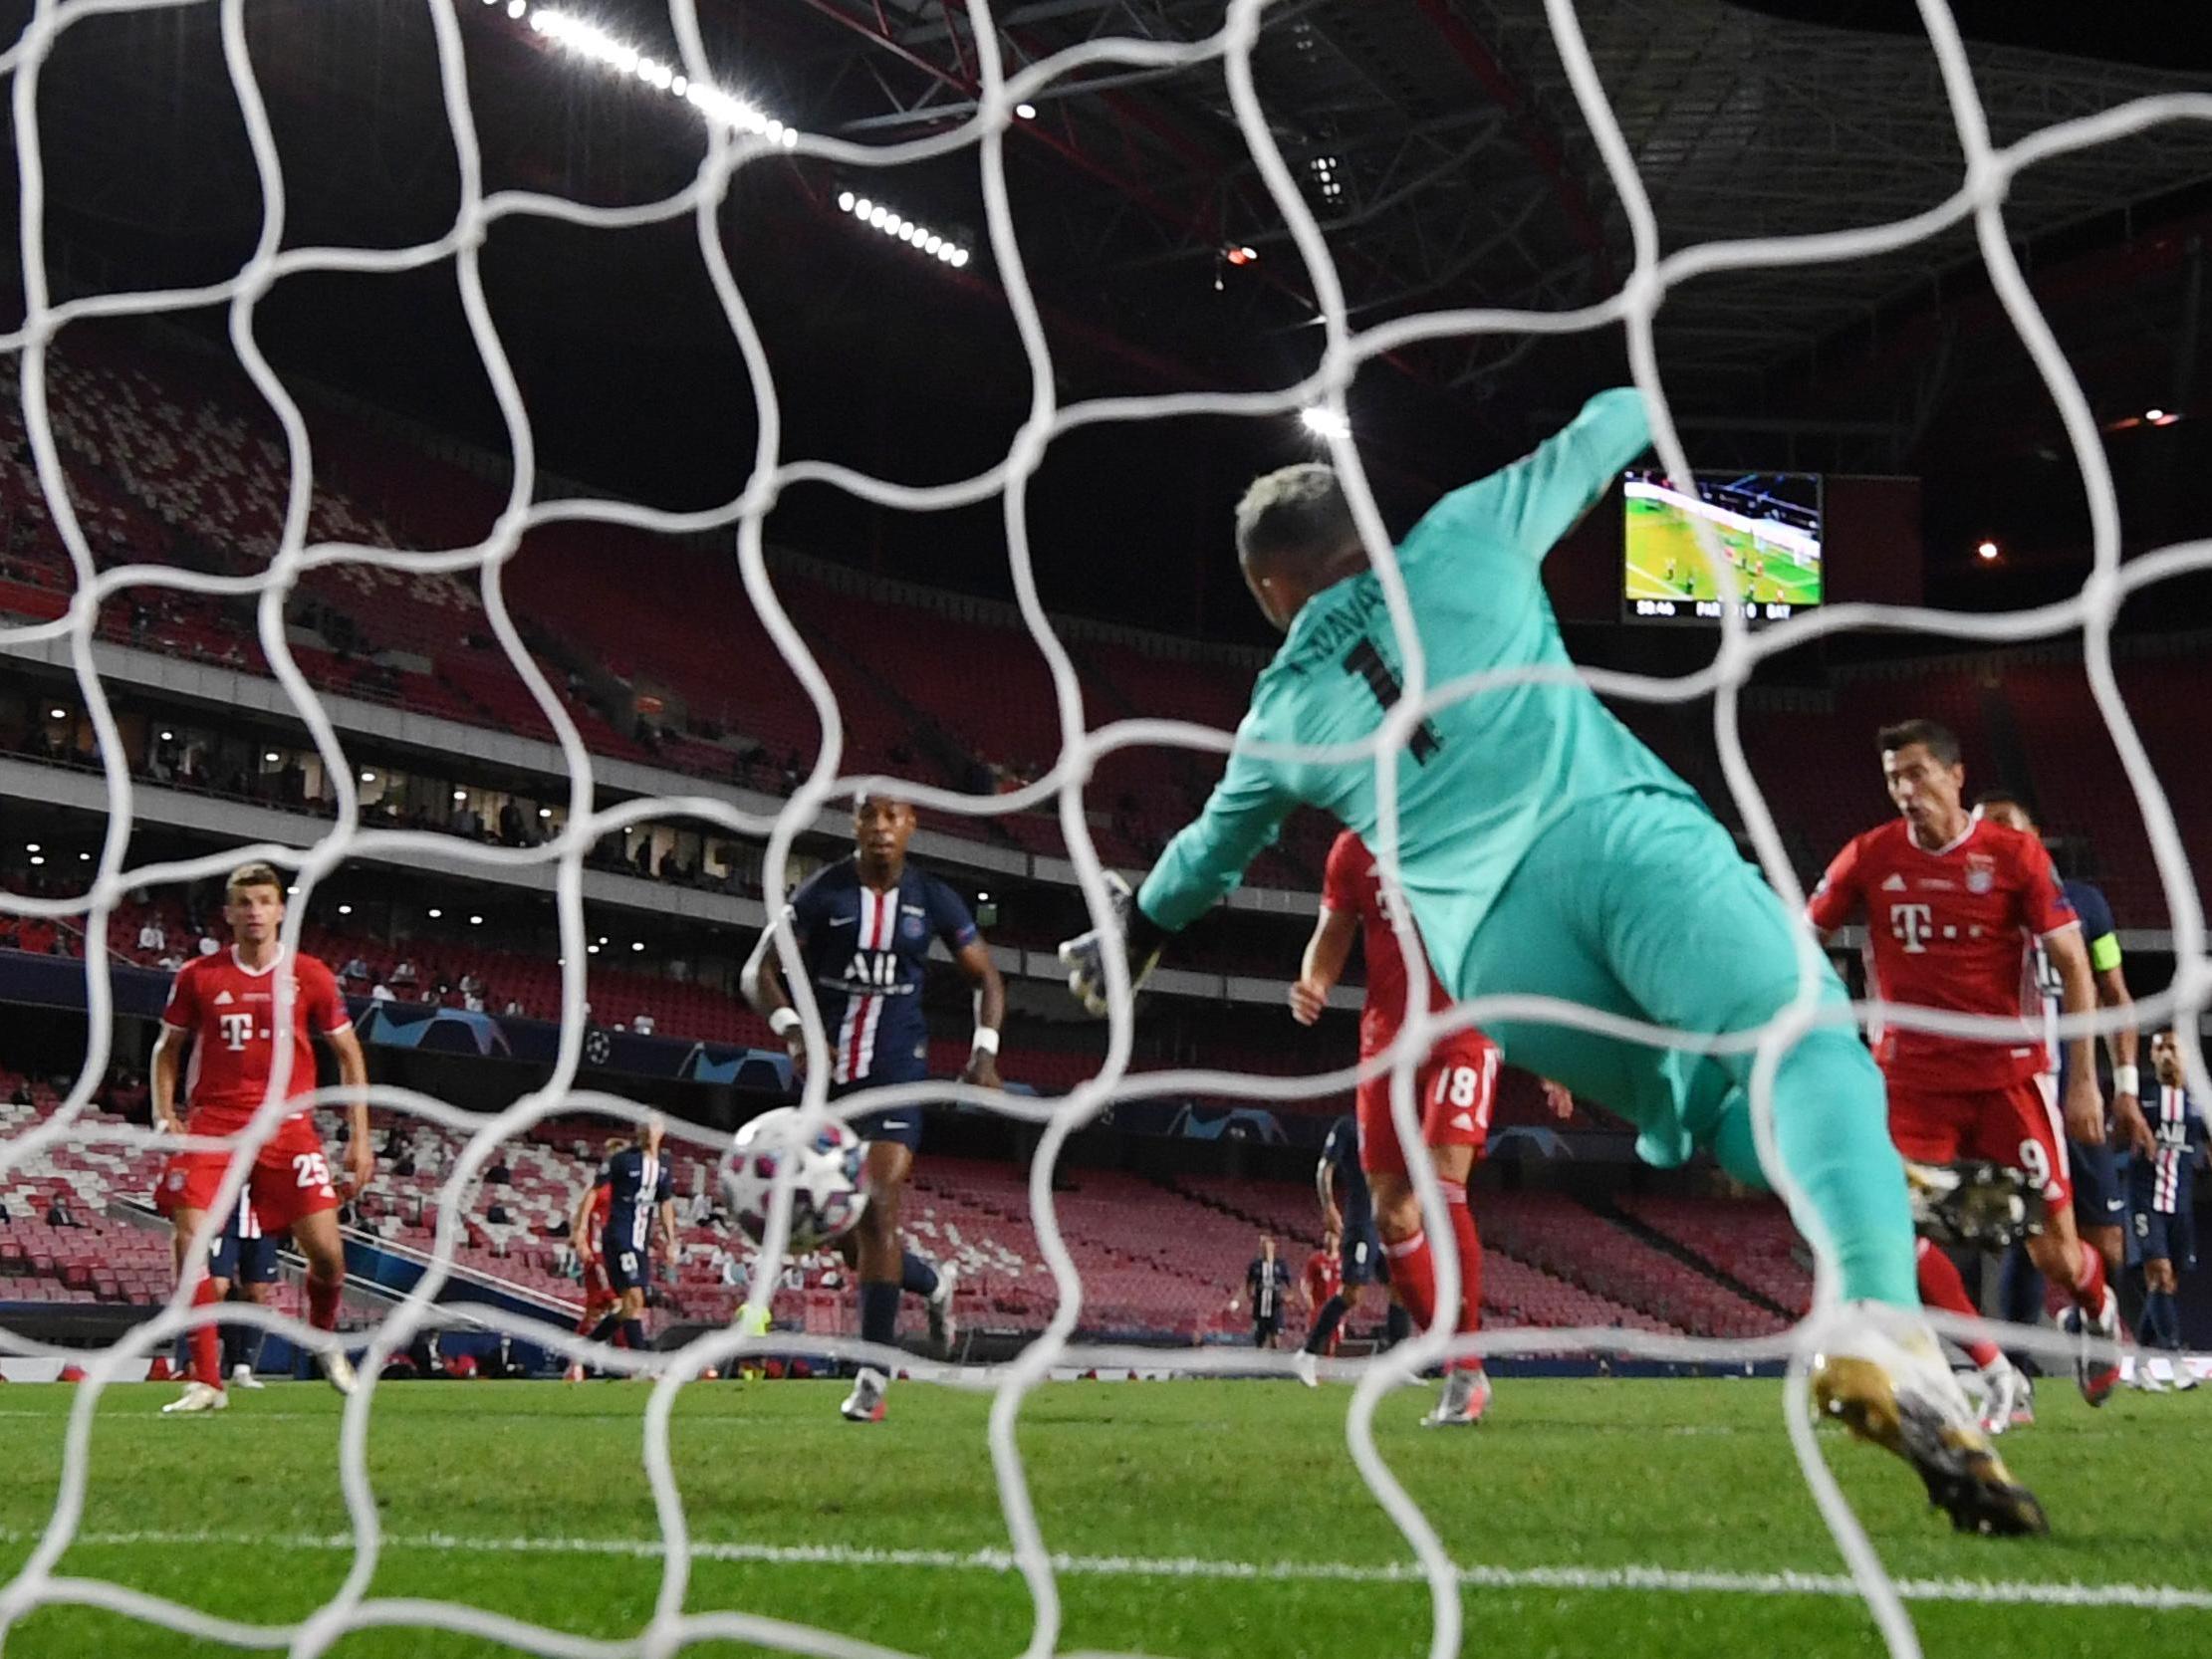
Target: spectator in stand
499, 1175
171, 963
429, 994
496, 1215
642, 1025
20, 1095
57, 1213
471, 985
403, 974
356, 969
514, 1007
472, 1000
382, 993
153, 937
512, 830
209, 944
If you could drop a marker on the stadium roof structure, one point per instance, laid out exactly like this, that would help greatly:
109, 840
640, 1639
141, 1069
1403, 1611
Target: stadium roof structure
1438, 142
1444, 153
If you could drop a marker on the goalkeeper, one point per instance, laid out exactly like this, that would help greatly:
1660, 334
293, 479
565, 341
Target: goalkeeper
1546, 851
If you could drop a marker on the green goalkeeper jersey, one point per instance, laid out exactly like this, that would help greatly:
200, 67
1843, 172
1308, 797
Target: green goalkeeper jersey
1481, 779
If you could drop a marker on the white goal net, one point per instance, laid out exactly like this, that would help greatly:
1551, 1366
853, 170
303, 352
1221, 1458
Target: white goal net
740, 136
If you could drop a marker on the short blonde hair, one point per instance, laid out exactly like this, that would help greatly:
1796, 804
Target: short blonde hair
1296, 513
252, 876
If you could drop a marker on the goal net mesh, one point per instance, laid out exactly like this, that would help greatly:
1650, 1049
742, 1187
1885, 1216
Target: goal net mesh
740, 136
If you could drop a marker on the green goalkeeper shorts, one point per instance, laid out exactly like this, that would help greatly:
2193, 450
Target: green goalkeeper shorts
1638, 904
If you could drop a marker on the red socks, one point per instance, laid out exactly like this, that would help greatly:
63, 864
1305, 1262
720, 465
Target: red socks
321, 1304
1413, 1269
207, 1339
2088, 1284
1941, 1286
1413, 1278
1470, 1264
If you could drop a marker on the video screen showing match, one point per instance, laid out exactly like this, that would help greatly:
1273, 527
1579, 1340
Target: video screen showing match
1765, 525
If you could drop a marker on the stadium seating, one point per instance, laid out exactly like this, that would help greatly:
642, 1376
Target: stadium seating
98, 1256
171, 458
1751, 1239
1157, 1261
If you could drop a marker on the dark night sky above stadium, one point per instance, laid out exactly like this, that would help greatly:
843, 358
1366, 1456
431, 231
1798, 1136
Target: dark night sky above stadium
632, 381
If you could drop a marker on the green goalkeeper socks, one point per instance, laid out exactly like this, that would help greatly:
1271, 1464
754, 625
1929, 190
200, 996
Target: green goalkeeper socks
1832, 1128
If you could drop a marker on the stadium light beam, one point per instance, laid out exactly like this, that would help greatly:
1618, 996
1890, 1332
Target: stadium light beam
1987, 551
1324, 423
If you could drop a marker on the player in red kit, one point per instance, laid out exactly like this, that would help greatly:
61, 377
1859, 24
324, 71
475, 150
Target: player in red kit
1955, 906
587, 1222
1324, 1279
222, 1008
1456, 1087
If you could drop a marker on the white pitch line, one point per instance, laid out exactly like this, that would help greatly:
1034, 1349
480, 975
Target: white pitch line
1650, 1580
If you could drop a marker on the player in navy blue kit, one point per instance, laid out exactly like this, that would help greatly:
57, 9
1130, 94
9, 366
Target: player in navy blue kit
2095, 1167
242, 1264
246, 1259
1266, 1286
2164, 1225
639, 1193
864, 925
1347, 1210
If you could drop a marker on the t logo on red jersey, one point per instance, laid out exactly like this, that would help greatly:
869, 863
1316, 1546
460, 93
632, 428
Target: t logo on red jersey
1914, 924
236, 1028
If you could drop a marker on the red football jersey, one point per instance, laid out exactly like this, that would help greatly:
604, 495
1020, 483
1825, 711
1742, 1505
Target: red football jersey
1952, 929
228, 1008
1324, 1276
1352, 885
595, 1218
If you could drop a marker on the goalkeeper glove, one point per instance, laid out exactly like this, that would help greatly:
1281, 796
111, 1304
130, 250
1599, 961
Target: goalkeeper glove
1131, 930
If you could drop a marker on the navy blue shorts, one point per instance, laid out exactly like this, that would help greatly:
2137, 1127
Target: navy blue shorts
2099, 1195
626, 1266
1360, 1256
243, 1261
2158, 1236
900, 1123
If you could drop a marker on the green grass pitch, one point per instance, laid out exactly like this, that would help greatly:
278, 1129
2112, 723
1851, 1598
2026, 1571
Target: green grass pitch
1202, 1519
1661, 541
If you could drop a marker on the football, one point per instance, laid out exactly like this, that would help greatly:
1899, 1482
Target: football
824, 1164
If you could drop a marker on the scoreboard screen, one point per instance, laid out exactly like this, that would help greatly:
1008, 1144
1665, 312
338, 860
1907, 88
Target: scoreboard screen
1764, 525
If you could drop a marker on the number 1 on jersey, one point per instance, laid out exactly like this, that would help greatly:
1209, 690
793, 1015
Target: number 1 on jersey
1366, 662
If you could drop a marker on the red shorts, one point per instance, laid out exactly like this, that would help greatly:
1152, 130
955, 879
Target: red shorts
289, 1179
598, 1290
1457, 1086
2017, 1126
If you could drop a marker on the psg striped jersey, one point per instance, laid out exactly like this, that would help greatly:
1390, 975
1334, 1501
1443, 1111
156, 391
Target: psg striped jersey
636, 1182
864, 953
2175, 1126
